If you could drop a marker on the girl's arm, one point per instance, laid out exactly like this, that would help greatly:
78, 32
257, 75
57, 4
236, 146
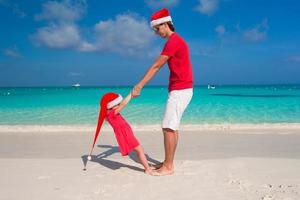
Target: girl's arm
123, 103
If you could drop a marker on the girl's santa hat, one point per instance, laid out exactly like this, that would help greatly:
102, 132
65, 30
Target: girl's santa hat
160, 17
108, 101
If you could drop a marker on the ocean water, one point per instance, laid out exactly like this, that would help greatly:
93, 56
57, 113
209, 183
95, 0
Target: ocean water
80, 106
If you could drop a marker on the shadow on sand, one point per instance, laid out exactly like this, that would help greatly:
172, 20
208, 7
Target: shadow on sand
103, 160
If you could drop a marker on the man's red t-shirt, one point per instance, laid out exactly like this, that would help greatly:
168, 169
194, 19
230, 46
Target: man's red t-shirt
181, 74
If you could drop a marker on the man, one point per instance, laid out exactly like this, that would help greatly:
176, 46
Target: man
176, 54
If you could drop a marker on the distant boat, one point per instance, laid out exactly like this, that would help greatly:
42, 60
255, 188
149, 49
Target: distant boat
76, 85
211, 87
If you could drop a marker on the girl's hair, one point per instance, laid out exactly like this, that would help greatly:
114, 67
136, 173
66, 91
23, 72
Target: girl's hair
171, 26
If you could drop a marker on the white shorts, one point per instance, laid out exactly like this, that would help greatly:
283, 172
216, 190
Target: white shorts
177, 102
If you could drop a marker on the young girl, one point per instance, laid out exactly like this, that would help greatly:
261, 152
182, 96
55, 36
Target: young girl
111, 105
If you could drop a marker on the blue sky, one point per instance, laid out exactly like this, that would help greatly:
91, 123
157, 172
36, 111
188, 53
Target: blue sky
99, 43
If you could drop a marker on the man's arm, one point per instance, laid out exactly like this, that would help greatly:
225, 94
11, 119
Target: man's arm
160, 61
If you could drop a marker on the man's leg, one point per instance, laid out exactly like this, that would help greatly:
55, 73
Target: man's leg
170, 142
166, 143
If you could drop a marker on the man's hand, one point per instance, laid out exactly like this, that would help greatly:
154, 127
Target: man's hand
135, 92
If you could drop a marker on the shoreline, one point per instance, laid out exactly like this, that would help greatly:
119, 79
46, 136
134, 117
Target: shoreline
155, 127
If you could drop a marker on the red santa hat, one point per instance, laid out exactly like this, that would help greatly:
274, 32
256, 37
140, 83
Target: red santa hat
160, 17
108, 101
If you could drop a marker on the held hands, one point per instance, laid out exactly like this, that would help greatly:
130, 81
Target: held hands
135, 92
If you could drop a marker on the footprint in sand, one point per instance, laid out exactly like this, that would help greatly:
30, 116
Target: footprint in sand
242, 184
267, 197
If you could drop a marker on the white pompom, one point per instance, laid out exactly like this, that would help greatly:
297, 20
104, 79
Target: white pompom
89, 157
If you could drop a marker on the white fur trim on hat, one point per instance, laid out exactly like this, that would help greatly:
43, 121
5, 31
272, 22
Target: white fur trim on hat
114, 102
160, 21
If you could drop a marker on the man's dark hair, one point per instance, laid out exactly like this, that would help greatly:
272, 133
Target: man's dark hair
171, 26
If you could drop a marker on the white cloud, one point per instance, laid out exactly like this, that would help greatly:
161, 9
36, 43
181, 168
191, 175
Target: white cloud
66, 11
12, 52
294, 58
220, 29
61, 30
18, 12
127, 34
207, 7
75, 74
258, 33
57, 36
206, 49
14, 7
255, 34
86, 47
156, 4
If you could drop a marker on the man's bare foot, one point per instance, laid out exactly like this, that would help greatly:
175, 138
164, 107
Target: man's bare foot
163, 171
157, 166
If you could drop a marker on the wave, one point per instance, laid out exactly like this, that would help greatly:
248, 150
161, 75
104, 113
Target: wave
152, 127
258, 95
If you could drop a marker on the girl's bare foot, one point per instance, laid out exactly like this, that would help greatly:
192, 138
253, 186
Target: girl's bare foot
148, 171
157, 166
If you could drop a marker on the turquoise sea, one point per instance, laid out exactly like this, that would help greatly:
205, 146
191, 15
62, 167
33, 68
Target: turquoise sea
80, 106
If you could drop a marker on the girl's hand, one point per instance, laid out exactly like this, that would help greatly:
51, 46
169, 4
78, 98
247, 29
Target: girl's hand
136, 91
117, 109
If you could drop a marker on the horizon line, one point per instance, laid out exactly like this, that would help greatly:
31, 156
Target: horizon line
198, 85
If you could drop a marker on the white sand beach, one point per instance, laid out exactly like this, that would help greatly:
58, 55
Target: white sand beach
256, 163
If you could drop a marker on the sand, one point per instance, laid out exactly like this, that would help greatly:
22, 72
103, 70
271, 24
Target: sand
261, 164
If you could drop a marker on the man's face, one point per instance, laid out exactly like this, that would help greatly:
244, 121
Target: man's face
161, 30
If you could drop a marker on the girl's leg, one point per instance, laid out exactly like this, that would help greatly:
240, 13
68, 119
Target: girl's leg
143, 160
